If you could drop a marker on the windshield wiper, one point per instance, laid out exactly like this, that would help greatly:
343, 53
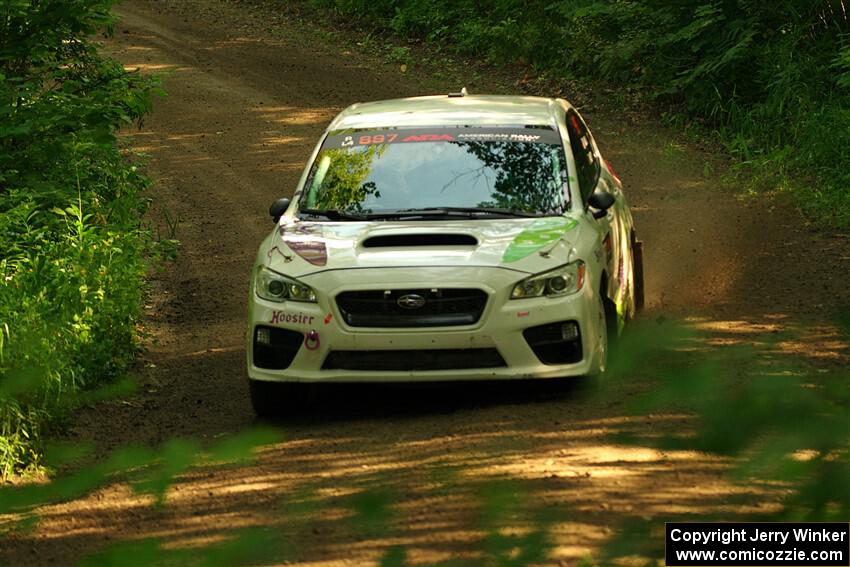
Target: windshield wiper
465, 212
331, 214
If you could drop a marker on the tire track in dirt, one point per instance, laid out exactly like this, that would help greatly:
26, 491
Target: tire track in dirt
247, 100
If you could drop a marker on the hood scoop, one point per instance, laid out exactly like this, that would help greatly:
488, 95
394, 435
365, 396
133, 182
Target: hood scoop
424, 239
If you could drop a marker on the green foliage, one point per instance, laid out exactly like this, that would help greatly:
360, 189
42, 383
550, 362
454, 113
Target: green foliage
71, 244
771, 79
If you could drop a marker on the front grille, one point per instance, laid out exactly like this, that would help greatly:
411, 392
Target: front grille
277, 350
409, 360
441, 308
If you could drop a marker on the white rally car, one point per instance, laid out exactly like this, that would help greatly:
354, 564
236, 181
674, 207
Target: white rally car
444, 238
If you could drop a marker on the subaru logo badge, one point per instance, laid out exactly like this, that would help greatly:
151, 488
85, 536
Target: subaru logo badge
411, 301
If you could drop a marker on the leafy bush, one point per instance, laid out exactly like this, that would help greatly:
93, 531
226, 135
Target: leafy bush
772, 79
71, 244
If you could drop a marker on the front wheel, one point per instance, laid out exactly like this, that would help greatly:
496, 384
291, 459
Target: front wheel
604, 327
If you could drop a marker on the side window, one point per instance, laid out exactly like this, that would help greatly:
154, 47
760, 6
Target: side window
587, 166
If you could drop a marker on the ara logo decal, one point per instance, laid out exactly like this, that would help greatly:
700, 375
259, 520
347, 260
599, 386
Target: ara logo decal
429, 138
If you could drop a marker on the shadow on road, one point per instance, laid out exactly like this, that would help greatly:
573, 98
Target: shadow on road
328, 403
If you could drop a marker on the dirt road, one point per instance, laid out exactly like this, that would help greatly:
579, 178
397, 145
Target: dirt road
248, 95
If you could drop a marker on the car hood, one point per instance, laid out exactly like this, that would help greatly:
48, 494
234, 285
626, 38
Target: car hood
301, 248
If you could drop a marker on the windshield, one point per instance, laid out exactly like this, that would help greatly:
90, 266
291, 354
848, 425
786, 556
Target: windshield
369, 172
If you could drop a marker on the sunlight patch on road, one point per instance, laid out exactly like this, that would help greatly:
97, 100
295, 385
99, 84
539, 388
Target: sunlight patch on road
825, 343
189, 529
822, 342
278, 141
85, 516
156, 67
198, 542
734, 326
603, 461
295, 115
213, 350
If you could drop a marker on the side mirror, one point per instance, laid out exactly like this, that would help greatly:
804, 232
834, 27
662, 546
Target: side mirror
601, 201
278, 208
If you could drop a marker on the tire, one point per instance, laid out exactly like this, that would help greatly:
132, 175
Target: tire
265, 397
604, 336
637, 274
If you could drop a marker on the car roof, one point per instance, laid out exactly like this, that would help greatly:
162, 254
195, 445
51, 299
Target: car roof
467, 110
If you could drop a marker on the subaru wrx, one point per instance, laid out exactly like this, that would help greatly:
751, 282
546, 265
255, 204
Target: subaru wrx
444, 238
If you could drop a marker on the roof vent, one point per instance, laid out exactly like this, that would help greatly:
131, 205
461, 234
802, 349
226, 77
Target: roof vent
461, 94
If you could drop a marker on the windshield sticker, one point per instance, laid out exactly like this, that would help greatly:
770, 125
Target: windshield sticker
538, 234
498, 137
519, 134
429, 138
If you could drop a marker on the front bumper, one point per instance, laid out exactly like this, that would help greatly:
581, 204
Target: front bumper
326, 349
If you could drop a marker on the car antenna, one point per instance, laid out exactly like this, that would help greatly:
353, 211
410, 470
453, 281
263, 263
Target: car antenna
460, 94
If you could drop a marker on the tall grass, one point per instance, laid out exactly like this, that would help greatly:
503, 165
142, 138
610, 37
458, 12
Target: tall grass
71, 242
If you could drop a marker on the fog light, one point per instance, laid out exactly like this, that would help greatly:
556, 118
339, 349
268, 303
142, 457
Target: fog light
264, 336
569, 331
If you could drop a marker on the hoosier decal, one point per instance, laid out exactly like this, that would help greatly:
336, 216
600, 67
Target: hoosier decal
293, 318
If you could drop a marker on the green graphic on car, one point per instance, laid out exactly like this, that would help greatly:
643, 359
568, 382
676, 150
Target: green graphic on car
539, 234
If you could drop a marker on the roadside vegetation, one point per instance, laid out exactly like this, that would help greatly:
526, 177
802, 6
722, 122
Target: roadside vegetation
770, 81
72, 247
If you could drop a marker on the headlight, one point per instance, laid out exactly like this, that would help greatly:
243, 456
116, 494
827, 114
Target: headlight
560, 281
274, 287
